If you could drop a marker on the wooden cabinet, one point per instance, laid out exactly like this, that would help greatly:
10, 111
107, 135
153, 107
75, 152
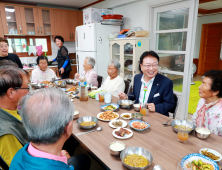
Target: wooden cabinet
1, 27
128, 51
66, 23
11, 20
73, 72
37, 21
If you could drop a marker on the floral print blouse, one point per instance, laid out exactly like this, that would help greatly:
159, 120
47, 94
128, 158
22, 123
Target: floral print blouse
213, 116
91, 77
39, 76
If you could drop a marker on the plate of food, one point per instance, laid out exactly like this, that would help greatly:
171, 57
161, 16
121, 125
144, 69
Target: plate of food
46, 82
216, 156
117, 123
58, 82
122, 133
71, 96
107, 116
199, 161
126, 116
71, 92
72, 89
110, 107
139, 125
64, 89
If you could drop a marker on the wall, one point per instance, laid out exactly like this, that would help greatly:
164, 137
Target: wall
200, 21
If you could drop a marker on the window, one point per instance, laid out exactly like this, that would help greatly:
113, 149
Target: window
19, 44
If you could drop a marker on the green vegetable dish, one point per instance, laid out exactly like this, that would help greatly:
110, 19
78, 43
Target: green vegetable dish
199, 165
110, 107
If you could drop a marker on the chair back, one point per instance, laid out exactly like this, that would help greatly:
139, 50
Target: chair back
174, 109
99, 79
127, 86
3, 164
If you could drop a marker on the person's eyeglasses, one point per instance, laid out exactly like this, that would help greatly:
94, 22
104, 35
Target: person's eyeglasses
21, 88
3, 46
155, 65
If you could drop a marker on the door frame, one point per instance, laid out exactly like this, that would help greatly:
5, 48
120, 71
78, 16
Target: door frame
183, 107
203, 46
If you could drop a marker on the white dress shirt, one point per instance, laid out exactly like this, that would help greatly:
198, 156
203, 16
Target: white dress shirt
39, 76
150, 83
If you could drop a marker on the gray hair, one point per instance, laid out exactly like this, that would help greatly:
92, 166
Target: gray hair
91, 61
115, 64
45, 114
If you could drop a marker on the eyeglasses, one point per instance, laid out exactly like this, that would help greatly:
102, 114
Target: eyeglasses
3, 46
21, 88
155, 65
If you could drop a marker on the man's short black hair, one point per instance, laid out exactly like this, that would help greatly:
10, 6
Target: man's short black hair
216, 77
41, 57
149, 53
59, 37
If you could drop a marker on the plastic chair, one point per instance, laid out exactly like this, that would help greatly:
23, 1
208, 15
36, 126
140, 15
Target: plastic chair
99, 79
3, 164
174, 109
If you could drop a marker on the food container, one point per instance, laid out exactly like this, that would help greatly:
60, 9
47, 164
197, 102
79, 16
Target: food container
131, 125
182, 123
137, 116
69, 81
202, 133
139, 151
63, 84
39, 86
112, 16
136, 107
75, 83
120, 146
125, 104
87, 119
33, 84
76, 114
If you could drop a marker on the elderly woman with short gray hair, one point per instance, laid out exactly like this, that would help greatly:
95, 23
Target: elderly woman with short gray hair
89, 72
113, 84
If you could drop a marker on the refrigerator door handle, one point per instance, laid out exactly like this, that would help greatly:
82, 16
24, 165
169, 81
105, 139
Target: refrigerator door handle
84, 35
76, 38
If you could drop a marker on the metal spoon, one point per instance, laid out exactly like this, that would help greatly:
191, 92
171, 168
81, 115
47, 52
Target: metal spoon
157, 167
98, 129
165, 123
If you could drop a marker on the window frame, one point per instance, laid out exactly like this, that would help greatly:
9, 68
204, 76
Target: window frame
25, 54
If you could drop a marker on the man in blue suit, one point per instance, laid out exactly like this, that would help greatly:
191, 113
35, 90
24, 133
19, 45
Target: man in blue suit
151, 87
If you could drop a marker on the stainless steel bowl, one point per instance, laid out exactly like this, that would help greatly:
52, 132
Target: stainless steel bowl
87, 119
42, 85
75, 83
39, 86
69, 81
116, 153
201, 135
63, 84
137, 116
125, 104
33, 84
136, 107
183, 123
139, 151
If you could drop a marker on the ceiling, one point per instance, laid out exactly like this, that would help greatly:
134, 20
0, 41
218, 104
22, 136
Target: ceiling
210, 7
61, 3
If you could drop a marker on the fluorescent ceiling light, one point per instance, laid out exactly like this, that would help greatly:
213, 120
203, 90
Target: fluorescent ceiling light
9, 10
8, 17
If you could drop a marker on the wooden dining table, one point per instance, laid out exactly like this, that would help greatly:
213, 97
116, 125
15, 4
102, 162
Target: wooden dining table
160, 140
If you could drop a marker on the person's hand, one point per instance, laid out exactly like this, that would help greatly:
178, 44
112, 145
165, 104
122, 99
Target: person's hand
151, 107
61, 70
122, 96
77, 76
66, 154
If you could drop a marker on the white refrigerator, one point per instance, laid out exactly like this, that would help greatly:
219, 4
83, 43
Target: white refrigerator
92, 41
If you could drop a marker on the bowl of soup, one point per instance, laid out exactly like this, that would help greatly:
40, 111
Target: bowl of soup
87, 122
136, 158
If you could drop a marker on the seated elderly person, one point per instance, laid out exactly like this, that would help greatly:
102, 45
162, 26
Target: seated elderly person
113, 84
209, 108
151, 87
89, 72
47, 116
13, 86
42, 73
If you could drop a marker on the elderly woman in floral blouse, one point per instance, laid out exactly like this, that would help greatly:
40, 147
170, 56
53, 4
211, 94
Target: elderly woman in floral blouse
209, 108
42, 73
89, 72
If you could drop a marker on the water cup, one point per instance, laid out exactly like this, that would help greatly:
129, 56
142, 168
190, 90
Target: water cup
183, 134
108, 98
143, 109
97, 96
